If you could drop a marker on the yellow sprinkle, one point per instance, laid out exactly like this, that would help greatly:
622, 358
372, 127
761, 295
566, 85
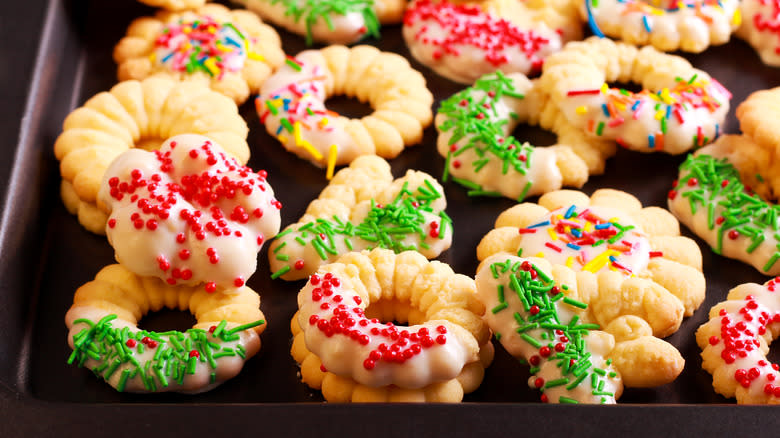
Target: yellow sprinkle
323, 122
152, 57
334, 151
540, 255
186, 30
620, 106
660, 114
552, 234
211, 64
604, 88
569, 261
567, 229
211, 29
736, 20
223, 47
300, 142
256, 56
282, 138
582, 110
588, 227
599, 261
668, 99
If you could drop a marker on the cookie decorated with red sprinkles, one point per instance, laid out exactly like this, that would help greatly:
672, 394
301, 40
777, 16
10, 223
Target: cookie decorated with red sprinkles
463, 42
349, 347
188, 213
735, 342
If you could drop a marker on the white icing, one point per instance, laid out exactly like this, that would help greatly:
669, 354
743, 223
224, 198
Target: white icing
639, 126
760, 27
232, 47
631, 250
157, 251
345, 355
427, 26
689, 27
503, 322
306, 104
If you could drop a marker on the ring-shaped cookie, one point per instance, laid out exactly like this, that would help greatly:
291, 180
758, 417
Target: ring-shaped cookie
232, 51
104, 333
174, 5
329, 21
188, 214
735, 342
690, 26
346, 350
609, 232
711, 199
363, 208
142, 115
759, 28
475, 127
463, 42
679, 108
292, 104
541, 314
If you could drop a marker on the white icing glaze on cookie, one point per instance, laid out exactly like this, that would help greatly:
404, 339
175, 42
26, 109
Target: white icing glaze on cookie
462, 42
687, 112
735, 341
587, 239
188, 213
527, 329
292, 107
691, 25
370, 352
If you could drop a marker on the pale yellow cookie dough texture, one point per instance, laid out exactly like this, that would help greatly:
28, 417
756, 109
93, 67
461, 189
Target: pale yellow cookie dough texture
403, 288
138, 114
174, 5
134, 53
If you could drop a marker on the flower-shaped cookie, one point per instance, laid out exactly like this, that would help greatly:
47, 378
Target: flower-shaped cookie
232, 50
610, 231
364, 208
188, 213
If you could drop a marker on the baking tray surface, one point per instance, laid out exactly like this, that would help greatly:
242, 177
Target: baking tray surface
45, 255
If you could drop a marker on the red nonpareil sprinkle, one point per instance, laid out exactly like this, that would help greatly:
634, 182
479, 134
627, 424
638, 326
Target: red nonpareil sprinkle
299, 264
672, 194
466, 25
194, 353
211, 287
131, 343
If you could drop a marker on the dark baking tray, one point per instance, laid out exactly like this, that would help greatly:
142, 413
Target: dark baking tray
58, 53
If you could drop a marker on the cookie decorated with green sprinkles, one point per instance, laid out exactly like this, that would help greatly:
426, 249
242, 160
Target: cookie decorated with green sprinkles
475, 138
331, 21
364, 208
536, 320
711, 199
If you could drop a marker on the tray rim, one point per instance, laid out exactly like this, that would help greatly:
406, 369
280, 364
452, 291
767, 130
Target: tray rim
24, 415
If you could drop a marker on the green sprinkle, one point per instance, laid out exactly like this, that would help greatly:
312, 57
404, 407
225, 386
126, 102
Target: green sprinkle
575, 303
285, 269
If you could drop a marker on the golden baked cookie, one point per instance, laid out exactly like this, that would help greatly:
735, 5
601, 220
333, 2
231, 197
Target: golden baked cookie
543, 314
735, 342
475, 127
714, 197
348, 345
142, 115
611, 235
104, 333
231, 51
679, 107
364, 208
292, 104
757, 116
174, 5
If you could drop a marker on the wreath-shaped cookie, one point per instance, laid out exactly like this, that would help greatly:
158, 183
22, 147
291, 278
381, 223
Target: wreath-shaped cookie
364, 208
232, 51
349, 347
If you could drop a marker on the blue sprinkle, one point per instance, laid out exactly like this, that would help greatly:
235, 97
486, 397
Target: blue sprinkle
592, 21
668, 111
717, 131
576, 232
605, 109
635, 105
279, 130
651, 141
570, 212
647, 24
573, 246
603, 226
540, 224
167, 57
233, 42
613, 258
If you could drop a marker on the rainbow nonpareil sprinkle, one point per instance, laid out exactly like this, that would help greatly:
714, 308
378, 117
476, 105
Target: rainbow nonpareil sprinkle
203, 45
